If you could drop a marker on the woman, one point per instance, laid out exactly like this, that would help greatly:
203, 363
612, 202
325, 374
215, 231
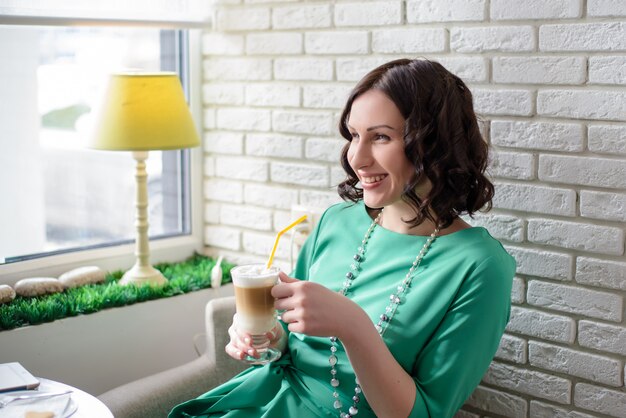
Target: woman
395, 262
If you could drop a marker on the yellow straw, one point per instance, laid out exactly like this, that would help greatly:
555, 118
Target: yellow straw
291, 225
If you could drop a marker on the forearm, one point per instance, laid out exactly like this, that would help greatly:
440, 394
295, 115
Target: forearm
389, 389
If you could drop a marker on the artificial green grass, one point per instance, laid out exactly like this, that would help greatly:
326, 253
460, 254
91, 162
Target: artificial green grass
184, 277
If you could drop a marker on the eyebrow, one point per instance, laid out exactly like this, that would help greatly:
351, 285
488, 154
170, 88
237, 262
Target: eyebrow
371, 128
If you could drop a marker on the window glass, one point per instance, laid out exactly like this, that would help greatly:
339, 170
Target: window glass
55, 194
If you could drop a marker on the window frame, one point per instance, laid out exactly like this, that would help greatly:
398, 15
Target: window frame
121, 256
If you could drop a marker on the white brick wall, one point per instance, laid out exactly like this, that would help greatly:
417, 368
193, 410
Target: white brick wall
549, 82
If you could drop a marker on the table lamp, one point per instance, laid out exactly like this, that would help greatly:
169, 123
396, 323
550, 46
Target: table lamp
142, 112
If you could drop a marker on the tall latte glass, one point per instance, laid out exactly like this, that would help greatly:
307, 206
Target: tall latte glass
255, 308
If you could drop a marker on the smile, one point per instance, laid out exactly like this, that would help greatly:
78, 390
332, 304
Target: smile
373, 179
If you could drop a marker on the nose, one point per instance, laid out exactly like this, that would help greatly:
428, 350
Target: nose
360, 154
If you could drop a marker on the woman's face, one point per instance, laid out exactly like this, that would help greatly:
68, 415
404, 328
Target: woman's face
376, 152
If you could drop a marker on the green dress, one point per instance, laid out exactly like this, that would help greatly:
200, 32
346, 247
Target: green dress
444, 334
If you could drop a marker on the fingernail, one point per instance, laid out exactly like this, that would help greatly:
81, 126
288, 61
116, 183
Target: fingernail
251, 352
239, 354
247, 340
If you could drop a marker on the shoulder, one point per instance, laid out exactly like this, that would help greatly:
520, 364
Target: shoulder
342, 213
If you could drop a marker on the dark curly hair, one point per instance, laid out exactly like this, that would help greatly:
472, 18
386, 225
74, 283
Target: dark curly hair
441, 139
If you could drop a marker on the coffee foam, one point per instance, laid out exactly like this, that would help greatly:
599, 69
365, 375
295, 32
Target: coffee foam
254, 275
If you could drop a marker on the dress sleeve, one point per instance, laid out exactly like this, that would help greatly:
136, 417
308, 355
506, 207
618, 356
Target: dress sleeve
460, 350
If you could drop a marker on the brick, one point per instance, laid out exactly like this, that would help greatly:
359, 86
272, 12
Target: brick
243, 119
424, 11
534, 198
223, 93
513, 165
270, 196
602, 337
223, 190
246, 217
503, 102
408, 40
544, 410
222, 237
376, 13
535, 9
241, 168
212, 213
540, 385
353, 69
223, 142
336, 42
512, 349
539, 70
576, 300
497, 402
606, 8
600, 399
272, 94
303, 122
542, 263
607, 70
575, 363
302, 16
605, 36
274, 43
504, 227
607, 139
274, 145
469, 69
493, 38
588, 171
215, 43
582, 104
261, 244
318, 199
537, 135
601, 205
241, 19
282, 218
245, 69
325, 96
302, 174
337, 175
542, 325
208, 120
324, 149
518, 290
209, 166
577, 236
601, 273
303, 69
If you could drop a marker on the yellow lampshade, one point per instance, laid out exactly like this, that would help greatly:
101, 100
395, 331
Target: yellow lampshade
144, 111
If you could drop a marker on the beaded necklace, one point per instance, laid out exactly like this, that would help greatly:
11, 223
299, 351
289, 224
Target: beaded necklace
395, 299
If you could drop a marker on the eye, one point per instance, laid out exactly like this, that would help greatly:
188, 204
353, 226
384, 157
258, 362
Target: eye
381, 137
354, 135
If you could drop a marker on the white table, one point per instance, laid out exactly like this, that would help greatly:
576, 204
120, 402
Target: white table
88, 405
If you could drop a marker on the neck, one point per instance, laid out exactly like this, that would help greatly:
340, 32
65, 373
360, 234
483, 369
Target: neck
393, 219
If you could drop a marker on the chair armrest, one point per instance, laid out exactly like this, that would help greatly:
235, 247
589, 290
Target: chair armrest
156, 395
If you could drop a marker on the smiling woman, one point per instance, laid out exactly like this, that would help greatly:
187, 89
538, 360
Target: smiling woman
397, 306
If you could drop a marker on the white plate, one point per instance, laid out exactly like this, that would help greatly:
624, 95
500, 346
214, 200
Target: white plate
18, 408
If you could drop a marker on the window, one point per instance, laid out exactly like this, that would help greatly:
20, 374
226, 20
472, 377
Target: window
55, 195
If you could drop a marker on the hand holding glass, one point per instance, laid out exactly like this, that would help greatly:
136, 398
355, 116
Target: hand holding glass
255, 308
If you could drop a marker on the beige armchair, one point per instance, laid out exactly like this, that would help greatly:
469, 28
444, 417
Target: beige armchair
154, 396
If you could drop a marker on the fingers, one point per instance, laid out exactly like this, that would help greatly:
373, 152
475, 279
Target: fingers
286, 279
240, 345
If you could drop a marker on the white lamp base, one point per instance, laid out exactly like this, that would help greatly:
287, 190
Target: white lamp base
143, 274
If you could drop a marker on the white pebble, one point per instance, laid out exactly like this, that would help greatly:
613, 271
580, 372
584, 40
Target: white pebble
7, 294
37, 286
82, 276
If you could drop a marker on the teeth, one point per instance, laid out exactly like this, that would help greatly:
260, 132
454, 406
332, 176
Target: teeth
373, 179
